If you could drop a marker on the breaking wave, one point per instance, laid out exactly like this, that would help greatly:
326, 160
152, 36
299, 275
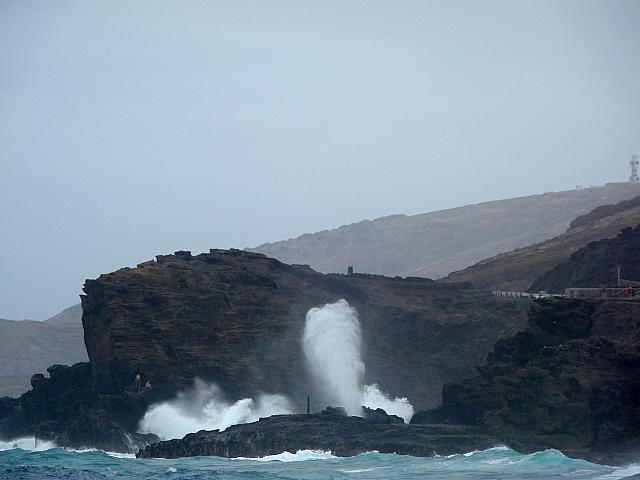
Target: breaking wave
299, 456
373, 397
27, 443
205, 407
495, 463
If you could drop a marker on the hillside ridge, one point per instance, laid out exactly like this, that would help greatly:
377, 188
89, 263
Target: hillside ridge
436, 243
519, 269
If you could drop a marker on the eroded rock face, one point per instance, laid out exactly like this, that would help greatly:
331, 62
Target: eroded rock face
570, 381
328, 431
596, 264
62, 408
237, 318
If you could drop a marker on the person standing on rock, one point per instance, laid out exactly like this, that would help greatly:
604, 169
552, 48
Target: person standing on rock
138, 381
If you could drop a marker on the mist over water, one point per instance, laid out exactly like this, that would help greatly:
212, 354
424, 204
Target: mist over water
204, 407
373, 397
332, 344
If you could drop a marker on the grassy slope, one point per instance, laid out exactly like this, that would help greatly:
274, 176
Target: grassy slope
518, 269
434, 244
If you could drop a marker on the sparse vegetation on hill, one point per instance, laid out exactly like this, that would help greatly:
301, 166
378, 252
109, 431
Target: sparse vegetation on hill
518, 269
434, 244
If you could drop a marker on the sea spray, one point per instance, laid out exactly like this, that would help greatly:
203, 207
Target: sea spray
373, 397
332, 339
204, 407
332, 345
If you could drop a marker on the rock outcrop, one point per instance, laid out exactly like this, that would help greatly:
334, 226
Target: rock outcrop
327, 431
64, 409
596, 264
237, 318
520, 268
570, 381
27, 347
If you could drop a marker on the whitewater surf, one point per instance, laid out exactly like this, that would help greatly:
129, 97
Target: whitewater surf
496, 464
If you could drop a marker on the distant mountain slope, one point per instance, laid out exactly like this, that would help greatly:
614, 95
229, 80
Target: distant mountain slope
28, 347
434, 244
70, 315
518, 269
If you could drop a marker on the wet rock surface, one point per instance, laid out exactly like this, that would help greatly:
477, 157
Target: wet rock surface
63, 409
329, 431
570, 381
236, 318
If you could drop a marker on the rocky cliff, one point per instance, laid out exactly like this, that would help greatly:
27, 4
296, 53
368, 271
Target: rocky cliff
237, 318
570, 381
434, 244
63, 408
596, 264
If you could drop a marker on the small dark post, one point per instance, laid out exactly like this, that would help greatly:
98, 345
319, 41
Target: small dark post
350, 270
308, 405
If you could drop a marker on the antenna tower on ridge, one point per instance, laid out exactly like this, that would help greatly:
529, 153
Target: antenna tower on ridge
633, 178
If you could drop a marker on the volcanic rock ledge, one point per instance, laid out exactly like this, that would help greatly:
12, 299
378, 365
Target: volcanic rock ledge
63, 409
237, 318
570, 381
328, 430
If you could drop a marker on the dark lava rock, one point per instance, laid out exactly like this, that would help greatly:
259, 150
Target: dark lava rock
63, 409
237, 318
596, 264
328, 431
570, 381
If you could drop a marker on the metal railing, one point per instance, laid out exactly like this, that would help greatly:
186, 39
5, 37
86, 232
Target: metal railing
605, 293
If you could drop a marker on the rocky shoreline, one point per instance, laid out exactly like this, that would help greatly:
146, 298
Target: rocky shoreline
329, 430
570, 380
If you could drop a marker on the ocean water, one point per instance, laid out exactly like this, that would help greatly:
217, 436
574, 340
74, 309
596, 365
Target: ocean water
494, 464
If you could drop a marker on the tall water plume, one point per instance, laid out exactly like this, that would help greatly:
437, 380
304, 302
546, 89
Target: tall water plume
332, 339
332, 345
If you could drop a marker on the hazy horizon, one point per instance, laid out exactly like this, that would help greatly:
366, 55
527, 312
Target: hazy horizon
131, 130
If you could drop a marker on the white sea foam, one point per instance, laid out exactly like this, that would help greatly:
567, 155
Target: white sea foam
299, 456
373, 397
27, 443
204, 407
332, 344
622, 472
93, 450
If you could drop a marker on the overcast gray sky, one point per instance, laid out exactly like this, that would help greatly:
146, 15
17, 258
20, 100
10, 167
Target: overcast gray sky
129, 129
